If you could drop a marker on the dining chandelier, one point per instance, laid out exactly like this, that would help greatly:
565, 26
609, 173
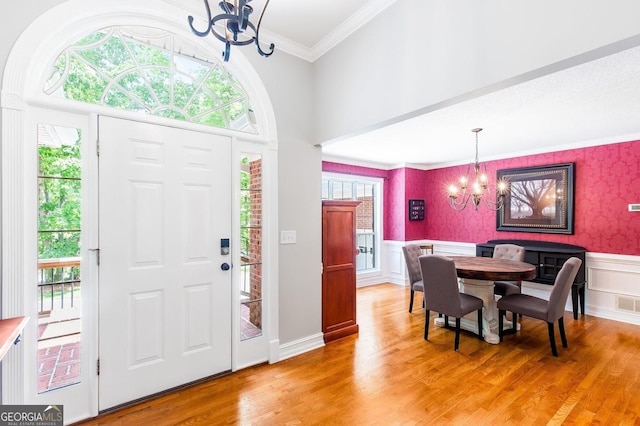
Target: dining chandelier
474, 187
233, 26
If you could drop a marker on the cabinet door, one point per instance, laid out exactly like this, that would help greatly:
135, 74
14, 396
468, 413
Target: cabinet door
339, 270
549, 266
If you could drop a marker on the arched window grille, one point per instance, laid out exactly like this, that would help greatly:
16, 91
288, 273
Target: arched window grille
153, 71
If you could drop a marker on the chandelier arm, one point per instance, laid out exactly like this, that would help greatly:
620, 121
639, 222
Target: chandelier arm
244, 11
209, 20
235, 22
257, 38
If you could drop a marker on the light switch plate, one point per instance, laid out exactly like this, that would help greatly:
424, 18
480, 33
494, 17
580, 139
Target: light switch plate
287, 237
634, 207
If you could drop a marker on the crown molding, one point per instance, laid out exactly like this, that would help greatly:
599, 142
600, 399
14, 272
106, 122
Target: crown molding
349, 26
310, 54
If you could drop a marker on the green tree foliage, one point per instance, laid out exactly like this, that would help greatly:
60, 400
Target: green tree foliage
59, 200
112, 67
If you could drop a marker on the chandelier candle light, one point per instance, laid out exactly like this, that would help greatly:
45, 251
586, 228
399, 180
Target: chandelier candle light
234, 27
475, 188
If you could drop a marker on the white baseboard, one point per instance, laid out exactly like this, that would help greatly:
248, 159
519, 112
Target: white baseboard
301, 346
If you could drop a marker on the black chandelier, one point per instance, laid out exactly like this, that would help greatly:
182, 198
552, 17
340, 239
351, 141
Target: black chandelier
234, 26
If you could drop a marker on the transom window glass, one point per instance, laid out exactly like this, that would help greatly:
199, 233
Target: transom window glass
152, 71
367, 234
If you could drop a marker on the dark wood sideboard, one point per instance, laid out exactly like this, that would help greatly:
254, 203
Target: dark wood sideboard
548, 257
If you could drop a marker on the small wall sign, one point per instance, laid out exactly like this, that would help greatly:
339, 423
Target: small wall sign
416, 209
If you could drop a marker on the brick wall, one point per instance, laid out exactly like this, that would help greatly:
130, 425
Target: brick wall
255, 243
364, 214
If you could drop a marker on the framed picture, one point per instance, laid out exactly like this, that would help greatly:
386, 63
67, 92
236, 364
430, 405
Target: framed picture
540, 199
416, 209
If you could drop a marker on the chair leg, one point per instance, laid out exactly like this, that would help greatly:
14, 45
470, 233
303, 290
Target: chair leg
480, 323
552, 339
411, 301
514, 322
457, 341
562, 335
501, 315
426, 326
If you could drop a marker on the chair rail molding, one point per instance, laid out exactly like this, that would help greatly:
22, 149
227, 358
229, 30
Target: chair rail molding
613, 280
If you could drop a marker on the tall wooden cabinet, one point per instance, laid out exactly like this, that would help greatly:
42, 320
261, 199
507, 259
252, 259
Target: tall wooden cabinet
339, 250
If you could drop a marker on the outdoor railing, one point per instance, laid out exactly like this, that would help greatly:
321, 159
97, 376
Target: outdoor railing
58, 281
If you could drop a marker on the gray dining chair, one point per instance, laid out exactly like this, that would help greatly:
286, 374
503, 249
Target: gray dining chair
509, 252
411, 254
535, 307
442, 294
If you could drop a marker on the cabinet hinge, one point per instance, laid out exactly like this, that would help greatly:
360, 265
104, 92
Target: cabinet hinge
98, 147
98, 367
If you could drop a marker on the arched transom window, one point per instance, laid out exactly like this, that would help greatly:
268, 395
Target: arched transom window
150, 70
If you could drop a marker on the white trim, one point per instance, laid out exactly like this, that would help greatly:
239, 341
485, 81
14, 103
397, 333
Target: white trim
301, 346
367, 276
370, 10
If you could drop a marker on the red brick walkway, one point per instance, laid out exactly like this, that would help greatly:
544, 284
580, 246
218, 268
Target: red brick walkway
58, 366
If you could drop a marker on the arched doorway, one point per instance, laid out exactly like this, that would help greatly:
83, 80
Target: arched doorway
24, 105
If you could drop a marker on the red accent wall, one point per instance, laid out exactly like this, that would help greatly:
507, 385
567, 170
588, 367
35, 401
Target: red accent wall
607, 179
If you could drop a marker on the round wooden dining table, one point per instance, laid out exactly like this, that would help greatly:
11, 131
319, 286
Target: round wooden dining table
488, 268
477, 275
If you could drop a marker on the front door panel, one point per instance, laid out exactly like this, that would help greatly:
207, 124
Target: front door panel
165, 302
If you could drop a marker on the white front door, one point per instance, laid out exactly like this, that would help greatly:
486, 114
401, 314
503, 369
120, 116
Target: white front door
165, 300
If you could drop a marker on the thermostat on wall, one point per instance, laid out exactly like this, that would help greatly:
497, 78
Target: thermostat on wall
634, 207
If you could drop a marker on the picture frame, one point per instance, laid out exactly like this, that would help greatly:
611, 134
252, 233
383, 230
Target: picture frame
539, 199
416, 209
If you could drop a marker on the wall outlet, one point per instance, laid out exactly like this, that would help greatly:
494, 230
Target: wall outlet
287, 237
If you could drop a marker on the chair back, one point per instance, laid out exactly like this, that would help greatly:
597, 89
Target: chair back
509, 252
412, 254
441, 292
561, 288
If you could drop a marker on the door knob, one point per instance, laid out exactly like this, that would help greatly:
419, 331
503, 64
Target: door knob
225, 266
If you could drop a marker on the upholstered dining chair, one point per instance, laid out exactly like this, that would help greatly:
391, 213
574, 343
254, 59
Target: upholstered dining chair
442, 294
509, 252
549, 311
411, 254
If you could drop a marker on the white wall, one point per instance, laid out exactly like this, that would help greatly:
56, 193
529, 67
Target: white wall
289, 83
418, 53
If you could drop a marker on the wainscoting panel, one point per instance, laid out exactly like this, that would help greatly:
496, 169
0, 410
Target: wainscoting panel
613, 281
613, 287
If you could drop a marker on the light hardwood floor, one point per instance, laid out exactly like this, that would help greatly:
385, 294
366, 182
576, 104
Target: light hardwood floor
389, 375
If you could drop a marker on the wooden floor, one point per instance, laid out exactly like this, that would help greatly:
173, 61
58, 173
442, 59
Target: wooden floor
389, 375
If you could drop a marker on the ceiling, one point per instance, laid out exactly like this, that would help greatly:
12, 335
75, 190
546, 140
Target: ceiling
595, 103
592, 103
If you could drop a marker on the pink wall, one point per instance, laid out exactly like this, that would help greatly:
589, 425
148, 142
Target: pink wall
607, 179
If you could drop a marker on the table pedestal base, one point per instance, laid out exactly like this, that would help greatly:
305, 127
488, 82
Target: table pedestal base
483, 290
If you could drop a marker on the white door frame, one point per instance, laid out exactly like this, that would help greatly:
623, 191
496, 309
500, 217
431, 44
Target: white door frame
22, 89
